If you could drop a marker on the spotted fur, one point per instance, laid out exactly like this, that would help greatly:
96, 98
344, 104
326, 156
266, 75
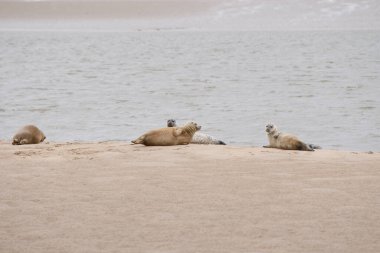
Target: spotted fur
199, 138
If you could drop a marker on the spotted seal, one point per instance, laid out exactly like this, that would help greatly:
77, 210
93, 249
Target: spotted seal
199, 138
286, 141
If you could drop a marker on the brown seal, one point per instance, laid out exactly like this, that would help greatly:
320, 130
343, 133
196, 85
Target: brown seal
169, 136
285, 141
28, 135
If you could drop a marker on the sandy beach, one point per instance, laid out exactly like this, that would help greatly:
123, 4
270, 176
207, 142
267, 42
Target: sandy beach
117, 197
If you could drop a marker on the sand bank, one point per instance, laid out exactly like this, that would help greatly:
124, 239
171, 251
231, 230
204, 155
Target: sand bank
116, 197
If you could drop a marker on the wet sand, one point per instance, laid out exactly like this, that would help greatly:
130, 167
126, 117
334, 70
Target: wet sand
117, 197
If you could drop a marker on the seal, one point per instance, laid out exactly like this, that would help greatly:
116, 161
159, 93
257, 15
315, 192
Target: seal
169, 136
199, 138
28, 135
285, 141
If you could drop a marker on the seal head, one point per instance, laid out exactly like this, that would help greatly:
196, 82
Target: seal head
270, 128
171, 123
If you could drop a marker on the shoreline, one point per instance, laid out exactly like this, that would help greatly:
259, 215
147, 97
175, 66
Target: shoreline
229, 145
102, 26
114, 196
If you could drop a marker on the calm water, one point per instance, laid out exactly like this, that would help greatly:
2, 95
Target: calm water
322, 86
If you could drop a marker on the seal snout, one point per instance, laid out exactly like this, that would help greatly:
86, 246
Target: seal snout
171, 123
268, 128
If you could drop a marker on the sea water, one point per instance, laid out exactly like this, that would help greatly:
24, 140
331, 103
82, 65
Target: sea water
322, 86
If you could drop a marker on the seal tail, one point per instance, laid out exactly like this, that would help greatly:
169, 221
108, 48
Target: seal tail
313, 146
304, 147
307, 148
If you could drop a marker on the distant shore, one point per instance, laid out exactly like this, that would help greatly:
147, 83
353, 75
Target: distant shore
127, 15
16, 10
117, 197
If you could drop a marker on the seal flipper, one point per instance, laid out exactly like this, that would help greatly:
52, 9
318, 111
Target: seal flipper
177, 131
23, 141
221, 143
139, 140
